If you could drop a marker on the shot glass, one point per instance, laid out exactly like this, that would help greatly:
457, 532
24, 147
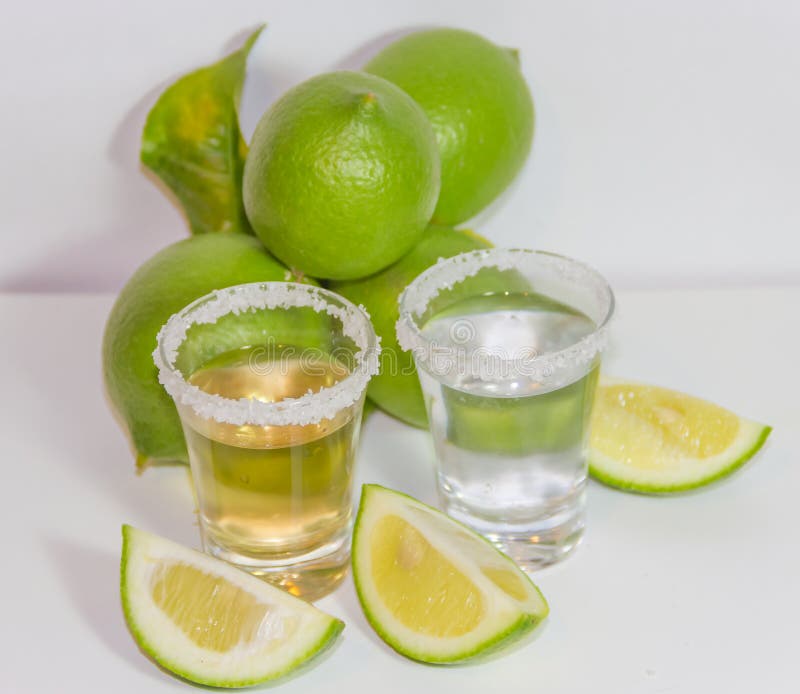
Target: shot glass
269, 382
507, 347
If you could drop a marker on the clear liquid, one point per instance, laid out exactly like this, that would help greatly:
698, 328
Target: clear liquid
270, 496
512, 453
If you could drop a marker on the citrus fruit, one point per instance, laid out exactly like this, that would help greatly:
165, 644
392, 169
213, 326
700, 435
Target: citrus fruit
342, 175
211, 623
171, 279
433, 589
396, 388
480, 107
650, 439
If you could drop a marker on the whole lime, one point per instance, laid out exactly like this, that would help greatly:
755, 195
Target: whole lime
480, 107
342, 175
171, 279
396, 388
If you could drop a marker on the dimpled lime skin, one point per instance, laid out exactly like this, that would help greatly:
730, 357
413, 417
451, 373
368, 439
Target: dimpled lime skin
342, 175
480, 107
396, 388
171, 279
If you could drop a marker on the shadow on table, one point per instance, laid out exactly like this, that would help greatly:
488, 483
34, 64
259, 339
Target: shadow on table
91, 580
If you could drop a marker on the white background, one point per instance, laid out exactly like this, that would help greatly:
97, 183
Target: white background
666, 150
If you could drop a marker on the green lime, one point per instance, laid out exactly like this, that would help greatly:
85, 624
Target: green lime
171, 279
211, 623
342, 175
654, 440
432, 588
480, 107
396, 388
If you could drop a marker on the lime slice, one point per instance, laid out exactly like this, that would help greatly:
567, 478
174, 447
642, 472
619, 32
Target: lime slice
433, 589
211, 623
650, 439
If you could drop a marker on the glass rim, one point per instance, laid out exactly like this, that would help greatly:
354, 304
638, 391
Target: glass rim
309, 408
448, 272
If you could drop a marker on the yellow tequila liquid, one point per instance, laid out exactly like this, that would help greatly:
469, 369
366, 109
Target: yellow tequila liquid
272, 496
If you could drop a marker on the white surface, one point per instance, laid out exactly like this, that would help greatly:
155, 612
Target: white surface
667, 150
687, 595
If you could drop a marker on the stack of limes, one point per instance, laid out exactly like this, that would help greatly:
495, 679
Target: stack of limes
349, 179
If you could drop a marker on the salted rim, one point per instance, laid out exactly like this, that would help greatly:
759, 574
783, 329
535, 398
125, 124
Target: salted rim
306, 409
448, 272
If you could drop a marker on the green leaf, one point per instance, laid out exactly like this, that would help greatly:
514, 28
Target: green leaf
192, 142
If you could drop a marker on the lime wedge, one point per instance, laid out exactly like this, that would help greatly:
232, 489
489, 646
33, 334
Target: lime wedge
211, 623
653, 440
433, 589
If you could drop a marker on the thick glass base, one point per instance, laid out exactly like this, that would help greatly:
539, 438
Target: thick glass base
309, 576
532, 544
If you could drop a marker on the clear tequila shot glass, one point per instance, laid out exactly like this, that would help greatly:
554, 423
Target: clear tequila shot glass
507, 346
269, 381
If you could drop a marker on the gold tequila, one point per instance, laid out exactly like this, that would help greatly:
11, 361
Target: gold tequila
274, 493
